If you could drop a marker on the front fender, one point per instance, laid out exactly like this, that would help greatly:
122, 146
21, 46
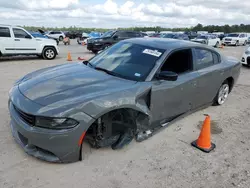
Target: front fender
136, 99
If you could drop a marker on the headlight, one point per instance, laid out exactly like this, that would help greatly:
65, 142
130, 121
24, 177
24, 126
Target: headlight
247, 52
55, 123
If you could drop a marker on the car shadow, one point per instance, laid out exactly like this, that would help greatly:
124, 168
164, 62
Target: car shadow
18, 58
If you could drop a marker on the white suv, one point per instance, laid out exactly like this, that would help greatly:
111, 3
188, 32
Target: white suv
235, 39
56, 34
17, 41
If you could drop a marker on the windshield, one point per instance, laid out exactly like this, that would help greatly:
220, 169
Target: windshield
202, 37
177, 36
108, 34
233, 35
94, 35
169, 35
127, 60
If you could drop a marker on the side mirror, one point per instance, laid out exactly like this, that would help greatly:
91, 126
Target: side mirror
85, 62
28, 37
115, 37
167, 75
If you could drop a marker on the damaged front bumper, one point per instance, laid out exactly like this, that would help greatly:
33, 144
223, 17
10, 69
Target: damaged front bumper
60, 146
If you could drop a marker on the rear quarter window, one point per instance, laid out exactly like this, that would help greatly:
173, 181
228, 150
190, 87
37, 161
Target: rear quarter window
204, 58
5, 32
217, 58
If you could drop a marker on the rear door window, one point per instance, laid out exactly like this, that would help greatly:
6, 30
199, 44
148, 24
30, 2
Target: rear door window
4, 32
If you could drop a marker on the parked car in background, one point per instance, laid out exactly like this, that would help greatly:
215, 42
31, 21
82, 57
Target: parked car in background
109, 38
56, 34
178, 36
154, 35
144, 34
130, 90
18, 41
38, 35
235, 39
73, 34
248, 40
86, 36
191, 34
210, 40
245, 60
44, 34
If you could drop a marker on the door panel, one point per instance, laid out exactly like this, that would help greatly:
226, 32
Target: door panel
210, 76
172, 98
209, 83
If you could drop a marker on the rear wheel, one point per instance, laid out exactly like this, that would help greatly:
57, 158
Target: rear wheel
94, 51
222, 94
49, 53
245, 43
60, 38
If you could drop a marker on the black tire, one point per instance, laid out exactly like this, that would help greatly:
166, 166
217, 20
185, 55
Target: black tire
60, 38
216, 99
49, 53
95, 51
237, 43
245, 43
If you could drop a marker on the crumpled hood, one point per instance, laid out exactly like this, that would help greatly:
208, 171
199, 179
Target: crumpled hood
64, 82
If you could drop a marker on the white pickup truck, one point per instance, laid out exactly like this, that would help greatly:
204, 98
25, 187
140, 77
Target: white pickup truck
17, 41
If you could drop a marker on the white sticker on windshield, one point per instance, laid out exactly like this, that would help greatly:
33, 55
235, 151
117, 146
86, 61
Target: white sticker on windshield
152, 52
137, 74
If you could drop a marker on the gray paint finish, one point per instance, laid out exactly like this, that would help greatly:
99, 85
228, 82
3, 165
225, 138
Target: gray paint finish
84, 94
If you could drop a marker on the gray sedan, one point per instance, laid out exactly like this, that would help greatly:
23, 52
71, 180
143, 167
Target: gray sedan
129, 90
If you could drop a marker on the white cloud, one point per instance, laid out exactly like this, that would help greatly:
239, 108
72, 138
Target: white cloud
171, 13
48, 4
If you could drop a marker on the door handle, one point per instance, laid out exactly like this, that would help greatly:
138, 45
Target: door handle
17, 39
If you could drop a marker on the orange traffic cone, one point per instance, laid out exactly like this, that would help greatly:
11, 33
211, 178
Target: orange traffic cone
204, 141
69, 57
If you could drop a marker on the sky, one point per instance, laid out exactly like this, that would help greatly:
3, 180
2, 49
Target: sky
123, 13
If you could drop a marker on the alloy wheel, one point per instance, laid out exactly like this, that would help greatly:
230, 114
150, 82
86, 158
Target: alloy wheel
223, 93
50, 54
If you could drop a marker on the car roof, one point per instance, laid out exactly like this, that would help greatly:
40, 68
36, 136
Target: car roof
165, 43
